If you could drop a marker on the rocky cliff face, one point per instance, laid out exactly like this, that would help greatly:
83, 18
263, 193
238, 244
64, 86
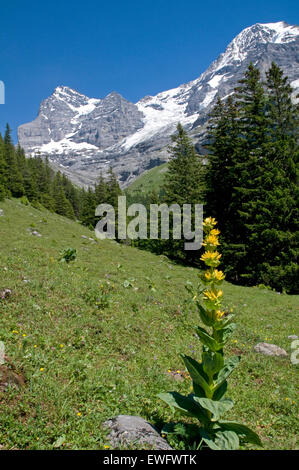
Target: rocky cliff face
84, 135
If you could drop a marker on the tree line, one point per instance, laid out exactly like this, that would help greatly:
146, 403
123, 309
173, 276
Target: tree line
248, 181
35, 182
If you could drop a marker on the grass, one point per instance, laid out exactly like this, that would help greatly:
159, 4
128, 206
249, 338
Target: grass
151, 180
98, 336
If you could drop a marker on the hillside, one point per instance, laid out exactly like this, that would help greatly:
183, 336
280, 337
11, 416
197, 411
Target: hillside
83, 363
150, 180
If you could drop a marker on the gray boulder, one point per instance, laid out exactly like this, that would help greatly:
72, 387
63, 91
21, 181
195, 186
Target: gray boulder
127, 430
270, 350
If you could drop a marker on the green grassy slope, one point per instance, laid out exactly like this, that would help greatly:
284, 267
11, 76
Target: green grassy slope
83, 364
150, 180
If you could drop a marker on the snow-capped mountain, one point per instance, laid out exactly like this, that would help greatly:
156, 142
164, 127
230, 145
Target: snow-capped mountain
84, 135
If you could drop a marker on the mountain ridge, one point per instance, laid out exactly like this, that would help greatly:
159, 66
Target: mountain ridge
84, 136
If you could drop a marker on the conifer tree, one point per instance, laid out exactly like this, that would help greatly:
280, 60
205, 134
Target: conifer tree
101, 190
113, 189
3, 171
87, 215
13, 174
183, 185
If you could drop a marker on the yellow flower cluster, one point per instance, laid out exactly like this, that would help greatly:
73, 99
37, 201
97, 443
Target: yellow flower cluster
212, 277
211, 258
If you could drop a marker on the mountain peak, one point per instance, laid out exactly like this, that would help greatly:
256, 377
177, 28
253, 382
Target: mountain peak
87, 135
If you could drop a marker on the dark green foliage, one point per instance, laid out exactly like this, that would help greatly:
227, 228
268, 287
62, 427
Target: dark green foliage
36, 182
183, 184
252, 181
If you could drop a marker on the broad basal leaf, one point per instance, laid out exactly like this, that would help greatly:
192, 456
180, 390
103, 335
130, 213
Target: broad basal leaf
227, 440
243, 431
217, 408
186, 404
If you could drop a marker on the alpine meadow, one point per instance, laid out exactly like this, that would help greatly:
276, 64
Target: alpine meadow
135, 342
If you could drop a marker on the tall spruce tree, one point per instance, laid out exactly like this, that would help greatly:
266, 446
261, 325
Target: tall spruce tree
261, 233
13, 173
273, 225
183, 185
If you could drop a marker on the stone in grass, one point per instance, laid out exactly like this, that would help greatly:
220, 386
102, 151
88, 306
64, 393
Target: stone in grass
36, 233
270, 349
292, 337
4, 294
132, 430
1, 213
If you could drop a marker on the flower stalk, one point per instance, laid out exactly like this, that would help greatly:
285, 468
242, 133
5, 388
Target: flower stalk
207, 402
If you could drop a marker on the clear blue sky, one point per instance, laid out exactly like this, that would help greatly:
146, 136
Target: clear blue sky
136, 48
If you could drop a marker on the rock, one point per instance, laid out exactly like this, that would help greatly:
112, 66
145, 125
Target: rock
1, 213
84, 236
270, 349
35, 233
4, 294
292, 337
10, 378
128, 430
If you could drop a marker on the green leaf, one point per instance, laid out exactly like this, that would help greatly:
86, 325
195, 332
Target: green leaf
220, 391
208, 440
186, 405
225, 372
198, 376
243, 431
212, 362
227, 440
217, 408
224, 322
204, 316
208, 340
222, 335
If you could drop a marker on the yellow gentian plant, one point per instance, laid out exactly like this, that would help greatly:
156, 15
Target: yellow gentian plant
207, 401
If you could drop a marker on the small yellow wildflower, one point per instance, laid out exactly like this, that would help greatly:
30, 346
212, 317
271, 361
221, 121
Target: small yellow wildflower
211, 240
78, 414
219, 275
213, 295
215, 232
24, 335
15, 331
214, 275
35, 346
61, 346
41, 369
210, 257
209, 222
219, 314
106, 447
